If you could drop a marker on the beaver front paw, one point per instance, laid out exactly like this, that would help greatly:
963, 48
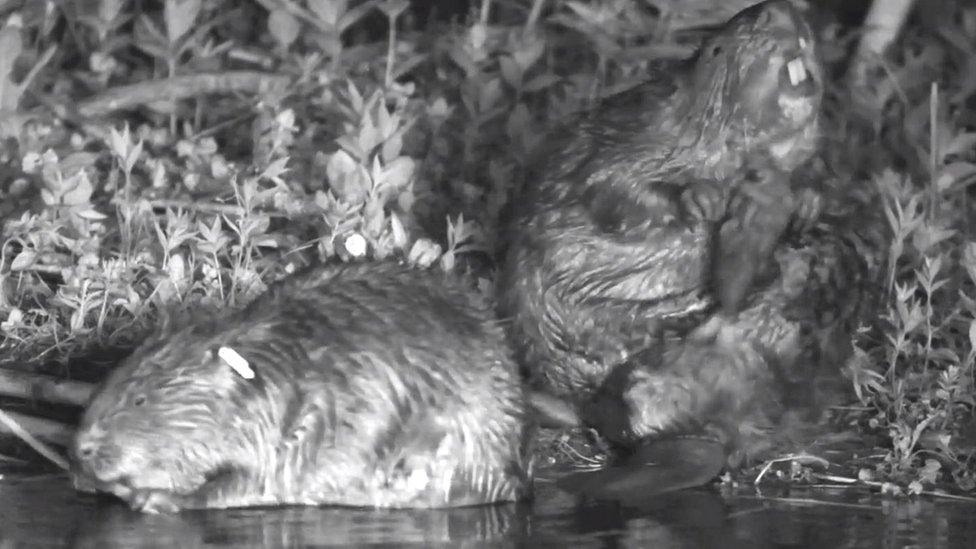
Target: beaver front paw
155, 502
704, 201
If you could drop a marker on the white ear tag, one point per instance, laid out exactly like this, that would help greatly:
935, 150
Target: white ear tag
238, 363
797, 70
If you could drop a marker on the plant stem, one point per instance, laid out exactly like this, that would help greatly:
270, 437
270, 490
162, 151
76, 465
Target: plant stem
485, 11
533, 19
390, 52
933, 151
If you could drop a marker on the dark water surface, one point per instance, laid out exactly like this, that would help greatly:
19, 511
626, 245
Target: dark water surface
44, 511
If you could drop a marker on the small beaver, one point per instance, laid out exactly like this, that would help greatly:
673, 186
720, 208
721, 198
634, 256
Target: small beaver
600, 249
735, 379
735, 388
363, 385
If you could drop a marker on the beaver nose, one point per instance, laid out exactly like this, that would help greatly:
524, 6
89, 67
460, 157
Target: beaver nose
87, 442
86, 449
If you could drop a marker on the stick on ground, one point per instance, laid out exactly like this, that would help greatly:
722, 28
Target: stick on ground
44, 388
23, 426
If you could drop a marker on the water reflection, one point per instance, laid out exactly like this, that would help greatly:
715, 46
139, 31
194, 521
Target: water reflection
46, 512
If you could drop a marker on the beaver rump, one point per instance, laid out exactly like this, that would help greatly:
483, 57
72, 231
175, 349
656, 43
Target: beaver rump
370, 385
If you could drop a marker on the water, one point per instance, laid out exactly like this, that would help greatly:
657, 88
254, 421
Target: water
44, 511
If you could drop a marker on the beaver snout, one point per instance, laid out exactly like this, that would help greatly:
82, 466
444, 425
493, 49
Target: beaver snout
96, 455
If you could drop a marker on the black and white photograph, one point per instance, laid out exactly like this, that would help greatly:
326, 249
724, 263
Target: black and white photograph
488, 273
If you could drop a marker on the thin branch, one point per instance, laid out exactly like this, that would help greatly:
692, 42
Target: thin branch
19, 425
179, 87
44, 388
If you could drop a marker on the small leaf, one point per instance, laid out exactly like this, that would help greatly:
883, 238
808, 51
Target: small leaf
447, 261
399, 232
954, 173
91, 215
490, 95
424, 253
328, 11
14, 320
80, 190
541, 82
283, 27
511, 71
119, 141
392, 147
962, 143
180, 17
276, 168
529, 54
25, 259
355, 98
393, 8
347, 178
133, 156
398, 173
266, 242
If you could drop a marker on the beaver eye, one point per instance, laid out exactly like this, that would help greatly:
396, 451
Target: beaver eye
716, 50
139, 401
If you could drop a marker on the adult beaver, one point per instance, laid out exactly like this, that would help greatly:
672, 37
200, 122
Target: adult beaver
602, 246
363, 385
607, 248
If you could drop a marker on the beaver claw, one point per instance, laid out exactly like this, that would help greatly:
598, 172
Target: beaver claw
154, 502
704, 201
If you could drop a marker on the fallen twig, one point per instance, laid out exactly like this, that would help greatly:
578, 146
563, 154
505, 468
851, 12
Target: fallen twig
814, 502
850, 481
24, 428
44, 388
210, 207
224, 209
179, 87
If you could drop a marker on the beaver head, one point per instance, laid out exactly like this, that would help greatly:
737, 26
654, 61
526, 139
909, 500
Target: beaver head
170, 418
758, 85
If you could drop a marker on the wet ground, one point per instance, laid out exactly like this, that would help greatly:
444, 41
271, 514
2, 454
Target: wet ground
44, 511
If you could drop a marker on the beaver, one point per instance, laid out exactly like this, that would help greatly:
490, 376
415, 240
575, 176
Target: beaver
361, 385
613, 246
601, 247
748, 379
735, 388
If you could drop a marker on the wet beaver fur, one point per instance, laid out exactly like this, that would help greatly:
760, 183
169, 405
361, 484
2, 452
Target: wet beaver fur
606, 248
374, 385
